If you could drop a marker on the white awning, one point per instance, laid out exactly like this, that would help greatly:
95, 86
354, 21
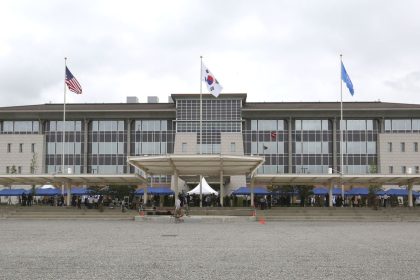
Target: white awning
73, 179
194, 165
324, 179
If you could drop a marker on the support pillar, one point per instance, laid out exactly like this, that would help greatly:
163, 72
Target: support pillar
222, 190
145, 193
175, 186
410, 194
201, 189
251, 186
330, 194
68, 199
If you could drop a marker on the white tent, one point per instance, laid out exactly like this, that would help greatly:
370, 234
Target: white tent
205, 189
47, 187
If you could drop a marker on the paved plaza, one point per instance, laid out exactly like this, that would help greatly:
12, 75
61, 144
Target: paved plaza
278, 250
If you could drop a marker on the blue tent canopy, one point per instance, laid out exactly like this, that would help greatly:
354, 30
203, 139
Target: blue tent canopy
47, 192
13, 192
79, 191
399, 192
358, 191
155, 191
247, 191
324, 191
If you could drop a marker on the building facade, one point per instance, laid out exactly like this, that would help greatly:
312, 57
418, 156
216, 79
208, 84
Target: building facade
293, 137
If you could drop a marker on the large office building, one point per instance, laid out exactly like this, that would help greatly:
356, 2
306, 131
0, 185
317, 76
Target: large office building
293, 137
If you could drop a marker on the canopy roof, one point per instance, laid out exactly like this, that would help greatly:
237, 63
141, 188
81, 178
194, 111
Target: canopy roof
193, 165
73, 179
325, 179
205, 188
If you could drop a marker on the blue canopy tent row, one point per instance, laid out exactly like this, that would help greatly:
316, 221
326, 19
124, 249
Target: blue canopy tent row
78, 191
13, 192
47, 192
400, 192
247, 191
324, 191
358, 191
155, 191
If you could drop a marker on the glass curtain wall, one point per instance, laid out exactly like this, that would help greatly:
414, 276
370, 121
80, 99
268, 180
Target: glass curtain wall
19, 127
312, 146
359, 146
268, 138
402, 125
219, 115
107, 147
73, 146
152, 137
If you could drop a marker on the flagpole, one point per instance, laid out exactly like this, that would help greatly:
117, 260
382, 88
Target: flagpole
64, 124
341, 128
201, 126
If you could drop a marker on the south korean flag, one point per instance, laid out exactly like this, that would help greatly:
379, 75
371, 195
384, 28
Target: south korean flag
212, 84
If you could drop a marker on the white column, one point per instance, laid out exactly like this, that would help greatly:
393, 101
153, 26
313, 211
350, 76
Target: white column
330, 194
68, 189
251, 186
410, 194
145, 192
222, 190
175, 184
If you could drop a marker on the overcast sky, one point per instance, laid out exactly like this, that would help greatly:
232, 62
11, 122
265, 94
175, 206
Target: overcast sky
271, 50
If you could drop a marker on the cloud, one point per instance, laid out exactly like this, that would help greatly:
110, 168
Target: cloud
281, 50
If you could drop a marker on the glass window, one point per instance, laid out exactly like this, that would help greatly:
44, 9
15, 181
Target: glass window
311, 125
416, 147
267, 125
417, 169
401, 125
254, 125
402, 146
389, 146
20, 147
416, 124
33, 148
233, 147
371, 147
388, 125
9, 147
8, 126
390, 169
403, 169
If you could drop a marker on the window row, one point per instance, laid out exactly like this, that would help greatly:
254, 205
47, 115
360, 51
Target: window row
21, 147
29, 127
402, 125
404, 170
402, 147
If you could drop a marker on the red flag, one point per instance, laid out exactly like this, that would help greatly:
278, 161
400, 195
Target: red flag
273, 135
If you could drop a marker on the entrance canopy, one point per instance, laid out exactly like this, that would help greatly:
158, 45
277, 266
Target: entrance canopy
73, 179
326, 179
193, 165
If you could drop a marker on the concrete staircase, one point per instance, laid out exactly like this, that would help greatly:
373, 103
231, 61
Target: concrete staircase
63, 213
339, 214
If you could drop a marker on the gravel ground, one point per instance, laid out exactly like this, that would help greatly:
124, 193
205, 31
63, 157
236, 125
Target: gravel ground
278, 250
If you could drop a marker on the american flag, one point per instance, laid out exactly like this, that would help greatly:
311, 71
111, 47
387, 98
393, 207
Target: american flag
72, 83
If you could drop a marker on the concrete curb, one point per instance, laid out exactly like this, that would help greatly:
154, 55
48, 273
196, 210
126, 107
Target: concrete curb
196, 219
